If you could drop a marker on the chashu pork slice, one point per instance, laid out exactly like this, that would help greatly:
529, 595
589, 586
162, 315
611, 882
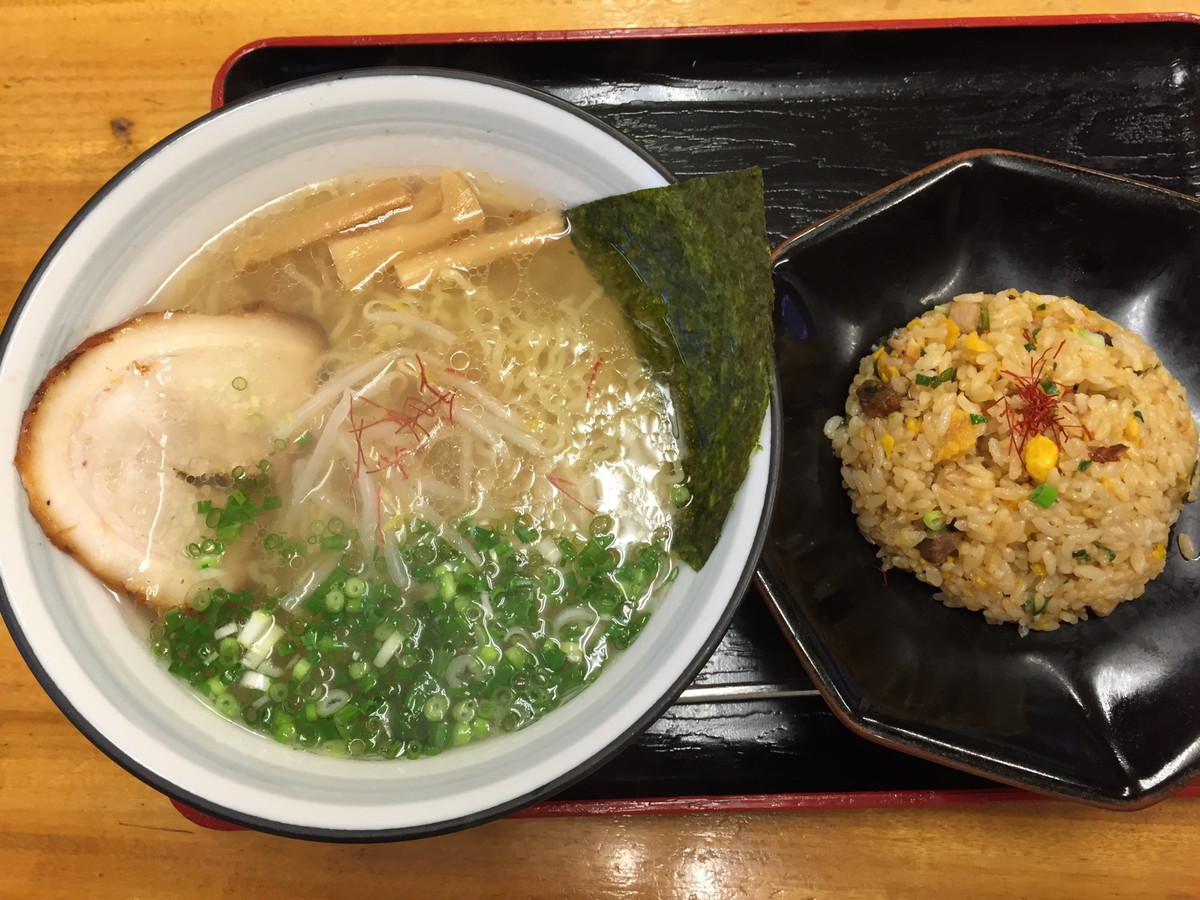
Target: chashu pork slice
125, 434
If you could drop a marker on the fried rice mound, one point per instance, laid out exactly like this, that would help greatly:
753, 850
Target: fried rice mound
1021, 453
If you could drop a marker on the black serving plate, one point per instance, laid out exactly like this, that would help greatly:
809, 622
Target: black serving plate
830, 117
1105, 711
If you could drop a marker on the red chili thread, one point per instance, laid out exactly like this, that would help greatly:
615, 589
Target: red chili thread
558, 485
1038, 412
416, 416
360, 459
592, 380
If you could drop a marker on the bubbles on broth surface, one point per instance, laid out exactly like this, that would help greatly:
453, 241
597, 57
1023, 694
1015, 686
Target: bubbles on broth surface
471, 514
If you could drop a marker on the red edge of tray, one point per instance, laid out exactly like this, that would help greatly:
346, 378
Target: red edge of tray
488, 37
737, 803
743, 803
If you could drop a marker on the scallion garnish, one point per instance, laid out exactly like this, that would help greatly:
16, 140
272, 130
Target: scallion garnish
474, 648
934, 520
1032, 607
1044, 495
935, 380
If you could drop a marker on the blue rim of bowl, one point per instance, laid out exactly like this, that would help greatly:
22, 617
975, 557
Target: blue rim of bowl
614, 747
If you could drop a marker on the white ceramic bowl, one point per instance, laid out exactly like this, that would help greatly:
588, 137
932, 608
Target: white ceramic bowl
89, 652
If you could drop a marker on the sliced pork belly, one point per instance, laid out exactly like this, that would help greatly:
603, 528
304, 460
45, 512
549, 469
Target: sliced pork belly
115, 430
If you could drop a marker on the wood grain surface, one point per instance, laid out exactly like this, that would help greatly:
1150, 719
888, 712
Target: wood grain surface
85, 87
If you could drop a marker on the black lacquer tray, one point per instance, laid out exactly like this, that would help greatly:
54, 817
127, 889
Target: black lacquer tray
830, 114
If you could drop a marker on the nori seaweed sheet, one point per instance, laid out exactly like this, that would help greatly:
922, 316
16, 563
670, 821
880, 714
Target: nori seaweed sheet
690, 266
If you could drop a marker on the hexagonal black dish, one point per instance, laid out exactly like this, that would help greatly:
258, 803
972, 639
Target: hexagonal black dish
1107, 711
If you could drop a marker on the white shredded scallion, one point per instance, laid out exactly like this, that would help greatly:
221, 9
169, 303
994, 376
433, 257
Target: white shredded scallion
256, 626
388, 649
255, 681
257, 652
332, 702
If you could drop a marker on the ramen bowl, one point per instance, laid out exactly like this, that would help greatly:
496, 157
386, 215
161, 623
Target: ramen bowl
89, 651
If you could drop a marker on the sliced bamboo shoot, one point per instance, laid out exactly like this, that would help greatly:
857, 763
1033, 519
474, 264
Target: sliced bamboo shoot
481, 249
336, 214
358, 256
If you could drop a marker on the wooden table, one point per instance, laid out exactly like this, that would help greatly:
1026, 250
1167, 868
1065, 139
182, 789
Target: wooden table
84, 87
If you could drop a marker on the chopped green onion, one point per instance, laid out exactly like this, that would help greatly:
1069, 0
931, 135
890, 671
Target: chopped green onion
229, 650
1137, 414
935, 520
301, 669
517, 656
200, 601
977, 419
601, 525
1044, 495
1049, 388
334, 601
942, 308
1084, 465
985, 319
464, 710
227, 705
1111, 556
489, 654
361, 669
680, 495
935, 380
1031, 606
436, 707
1081, 555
